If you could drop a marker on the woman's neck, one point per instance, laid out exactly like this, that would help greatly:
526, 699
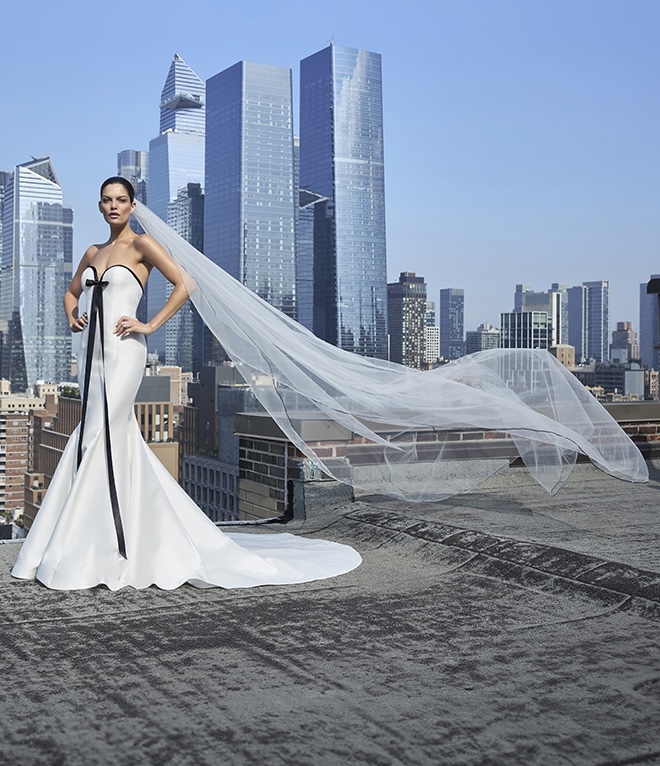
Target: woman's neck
118, 233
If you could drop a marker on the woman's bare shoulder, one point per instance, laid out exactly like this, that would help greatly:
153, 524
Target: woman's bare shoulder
148, 247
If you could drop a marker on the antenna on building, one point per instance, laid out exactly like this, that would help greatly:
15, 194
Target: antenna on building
332, 40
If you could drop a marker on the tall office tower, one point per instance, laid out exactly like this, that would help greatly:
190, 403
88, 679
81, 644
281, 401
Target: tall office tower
406, 319
649, 327
37, 251
624, 347
176, 158
483, 338
589, 320
525, 329
250, 199
451, 311
431, 336
183, 332
341, 159
561, 321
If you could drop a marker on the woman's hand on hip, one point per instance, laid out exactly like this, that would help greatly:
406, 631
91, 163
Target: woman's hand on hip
126, 325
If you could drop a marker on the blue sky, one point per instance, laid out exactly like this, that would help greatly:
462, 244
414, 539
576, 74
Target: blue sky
522, 137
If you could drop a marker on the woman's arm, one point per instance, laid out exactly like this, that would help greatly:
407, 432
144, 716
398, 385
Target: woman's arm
73, 292
153, 255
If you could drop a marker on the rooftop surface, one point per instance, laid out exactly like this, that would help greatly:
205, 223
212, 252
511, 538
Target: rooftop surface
503, 626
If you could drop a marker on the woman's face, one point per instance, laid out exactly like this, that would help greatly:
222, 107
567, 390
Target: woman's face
115, 204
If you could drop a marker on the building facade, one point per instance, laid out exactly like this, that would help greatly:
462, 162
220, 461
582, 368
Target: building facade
483, 338
342, 160
185, 332
649, 327
37, 251
176, 158
451, 310
624, 347
525, 329
406, 307
589, 321
250, 204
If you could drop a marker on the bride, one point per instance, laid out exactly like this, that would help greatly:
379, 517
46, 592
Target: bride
112, 514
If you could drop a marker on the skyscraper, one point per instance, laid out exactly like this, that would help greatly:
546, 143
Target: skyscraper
176, 158
406, 306
649, 327
341, 159
183, 332
589, 320
451, 313
37, 251
250, 206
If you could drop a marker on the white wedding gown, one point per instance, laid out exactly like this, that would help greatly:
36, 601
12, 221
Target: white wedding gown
113, 515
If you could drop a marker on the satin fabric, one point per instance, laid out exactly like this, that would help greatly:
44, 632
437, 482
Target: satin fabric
73, 542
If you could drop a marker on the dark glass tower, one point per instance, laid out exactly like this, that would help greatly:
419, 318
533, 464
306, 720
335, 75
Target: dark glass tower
341, 160
451, 313
250, 208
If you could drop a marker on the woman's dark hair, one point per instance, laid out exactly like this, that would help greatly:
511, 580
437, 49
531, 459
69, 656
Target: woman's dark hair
119, 180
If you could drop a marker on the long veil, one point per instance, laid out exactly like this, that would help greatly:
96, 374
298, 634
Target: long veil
403, 423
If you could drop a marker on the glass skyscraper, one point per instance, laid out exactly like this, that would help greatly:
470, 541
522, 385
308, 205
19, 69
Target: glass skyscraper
176, 158
37, 250
649, 327
341, 160
589, 321
250, 208
183, 332
451, 310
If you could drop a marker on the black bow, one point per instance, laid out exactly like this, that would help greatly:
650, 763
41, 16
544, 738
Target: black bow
96, 319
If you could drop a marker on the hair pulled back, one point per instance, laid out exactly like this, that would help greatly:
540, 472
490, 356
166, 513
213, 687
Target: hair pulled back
119, 180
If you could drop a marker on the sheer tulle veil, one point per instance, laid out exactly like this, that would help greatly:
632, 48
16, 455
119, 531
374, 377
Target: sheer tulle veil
405, 417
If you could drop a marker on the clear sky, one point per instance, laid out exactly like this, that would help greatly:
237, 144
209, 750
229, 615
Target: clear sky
522, 137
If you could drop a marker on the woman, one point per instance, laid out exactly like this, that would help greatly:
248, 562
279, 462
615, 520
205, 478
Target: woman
112, 514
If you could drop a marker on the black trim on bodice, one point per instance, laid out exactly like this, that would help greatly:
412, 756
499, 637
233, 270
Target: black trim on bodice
96, 320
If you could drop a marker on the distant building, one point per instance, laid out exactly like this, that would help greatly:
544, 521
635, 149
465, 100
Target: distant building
564, 353
406, 302
525, 329
37, 251
431, 345
451, 309
649, 327
14, 448
341, 160
552, 301
176, 158
589, 321
624, 347
250, 206
185, 332
483, 338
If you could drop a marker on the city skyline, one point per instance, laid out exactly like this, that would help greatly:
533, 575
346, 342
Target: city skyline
519, 139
